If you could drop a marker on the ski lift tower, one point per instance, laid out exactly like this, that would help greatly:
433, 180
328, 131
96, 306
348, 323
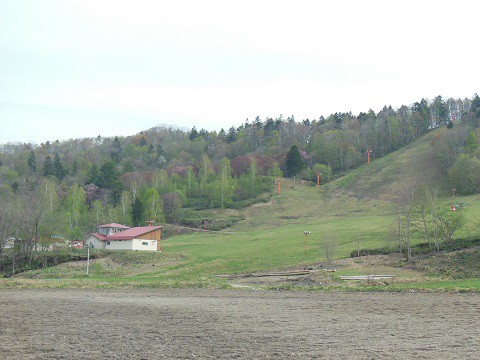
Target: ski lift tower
369, 151
319, 174
278, 182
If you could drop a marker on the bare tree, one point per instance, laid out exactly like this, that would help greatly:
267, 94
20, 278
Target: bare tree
426, 208
449, 222
32, 211
329, 246
6, 222
418, 210
404, 220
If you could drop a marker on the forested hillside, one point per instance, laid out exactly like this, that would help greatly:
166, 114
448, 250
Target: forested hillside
166, 174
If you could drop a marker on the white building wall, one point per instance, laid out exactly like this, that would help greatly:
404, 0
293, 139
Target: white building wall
97, 244
135, 244
142, 244
118, 244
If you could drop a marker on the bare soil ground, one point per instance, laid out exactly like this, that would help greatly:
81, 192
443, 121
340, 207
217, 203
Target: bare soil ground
226, 324
321, 273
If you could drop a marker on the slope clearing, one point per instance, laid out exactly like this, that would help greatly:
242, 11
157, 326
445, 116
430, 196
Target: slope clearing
352, 212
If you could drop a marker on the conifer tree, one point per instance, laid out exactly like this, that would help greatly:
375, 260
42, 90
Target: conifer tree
32, 162
93, 175
295, 163
58, 169
138, 211
75, 168
47, 167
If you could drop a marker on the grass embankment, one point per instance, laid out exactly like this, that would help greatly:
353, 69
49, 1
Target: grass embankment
352, 212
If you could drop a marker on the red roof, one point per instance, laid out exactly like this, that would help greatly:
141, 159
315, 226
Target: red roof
99, 236
129, 234
113, 225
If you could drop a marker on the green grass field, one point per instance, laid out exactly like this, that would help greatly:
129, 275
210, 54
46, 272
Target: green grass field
352, 212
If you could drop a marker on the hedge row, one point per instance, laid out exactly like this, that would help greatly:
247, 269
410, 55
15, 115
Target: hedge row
38, 260
422, 248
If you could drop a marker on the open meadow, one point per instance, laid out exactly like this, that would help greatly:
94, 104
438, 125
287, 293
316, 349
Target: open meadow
354, 212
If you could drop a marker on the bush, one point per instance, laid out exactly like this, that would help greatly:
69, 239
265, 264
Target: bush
249, 202
465, 174
198, 203
422, 248
42, 259
378, 251
196, 219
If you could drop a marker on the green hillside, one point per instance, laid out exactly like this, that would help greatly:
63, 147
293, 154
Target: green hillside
352, 212
415, 165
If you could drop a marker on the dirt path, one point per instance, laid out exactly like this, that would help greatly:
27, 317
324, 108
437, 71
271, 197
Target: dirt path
198, 324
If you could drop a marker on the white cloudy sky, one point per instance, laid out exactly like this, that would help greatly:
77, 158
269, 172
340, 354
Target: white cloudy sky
111, 67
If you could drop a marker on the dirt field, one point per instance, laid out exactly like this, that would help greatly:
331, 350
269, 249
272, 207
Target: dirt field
198, 324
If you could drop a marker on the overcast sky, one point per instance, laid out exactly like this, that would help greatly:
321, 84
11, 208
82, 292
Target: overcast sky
110, 67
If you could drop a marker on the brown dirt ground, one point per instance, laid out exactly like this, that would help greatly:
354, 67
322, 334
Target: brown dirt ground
321, 274
228, 324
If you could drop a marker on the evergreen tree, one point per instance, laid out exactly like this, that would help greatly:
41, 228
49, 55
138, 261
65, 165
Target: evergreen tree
15, 187
116, 150
109, 178
294, 163
108, 175
47, 167
232, 135
116, 143
32, 162
93, 175
439, 111
138, 211
75, 168
58, 169
193, 134
475, 106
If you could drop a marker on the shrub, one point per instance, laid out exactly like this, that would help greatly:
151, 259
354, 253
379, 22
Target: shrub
42, 259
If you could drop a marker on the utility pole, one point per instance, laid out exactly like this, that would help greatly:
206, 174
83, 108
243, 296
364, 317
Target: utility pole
88, 258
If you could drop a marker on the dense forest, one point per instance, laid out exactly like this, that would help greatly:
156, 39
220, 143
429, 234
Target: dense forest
66, 188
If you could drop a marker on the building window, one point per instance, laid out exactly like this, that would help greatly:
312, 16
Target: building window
108, 242
144, 243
